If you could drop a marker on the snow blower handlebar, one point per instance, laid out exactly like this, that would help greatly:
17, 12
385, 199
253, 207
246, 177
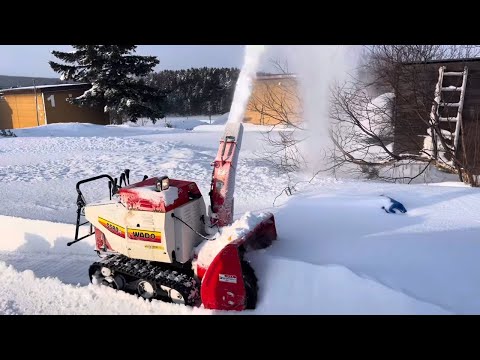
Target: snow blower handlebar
81, 204
92, 179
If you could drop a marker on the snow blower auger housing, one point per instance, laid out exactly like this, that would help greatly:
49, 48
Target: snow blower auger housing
156, 238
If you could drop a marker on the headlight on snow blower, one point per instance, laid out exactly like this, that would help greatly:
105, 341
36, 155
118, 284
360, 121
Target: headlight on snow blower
163, 183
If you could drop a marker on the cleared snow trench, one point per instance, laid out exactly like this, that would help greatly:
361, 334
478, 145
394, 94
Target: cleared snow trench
287, 286
311, 290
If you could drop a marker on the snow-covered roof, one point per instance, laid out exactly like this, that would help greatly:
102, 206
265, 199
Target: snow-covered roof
441, 61
41, 87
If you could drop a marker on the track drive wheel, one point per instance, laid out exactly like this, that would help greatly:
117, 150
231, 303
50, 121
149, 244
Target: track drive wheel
146, 289
251, 287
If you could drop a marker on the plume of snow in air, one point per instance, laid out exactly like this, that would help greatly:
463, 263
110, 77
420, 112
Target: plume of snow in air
317, 67
243, 89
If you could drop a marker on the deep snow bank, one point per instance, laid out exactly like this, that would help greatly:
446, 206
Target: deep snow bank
430, 253
295, 287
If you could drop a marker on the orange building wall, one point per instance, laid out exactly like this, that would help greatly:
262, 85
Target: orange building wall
5, 116
19, 111
271, 97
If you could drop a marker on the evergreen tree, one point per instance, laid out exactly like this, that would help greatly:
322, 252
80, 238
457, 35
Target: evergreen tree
197, 91
118, 80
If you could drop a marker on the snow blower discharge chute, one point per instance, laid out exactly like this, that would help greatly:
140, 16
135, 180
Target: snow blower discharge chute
156, 239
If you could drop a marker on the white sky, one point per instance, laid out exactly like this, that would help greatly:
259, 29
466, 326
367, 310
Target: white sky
32, 60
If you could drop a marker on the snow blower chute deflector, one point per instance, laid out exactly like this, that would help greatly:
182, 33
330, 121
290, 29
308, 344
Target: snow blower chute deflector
153, 236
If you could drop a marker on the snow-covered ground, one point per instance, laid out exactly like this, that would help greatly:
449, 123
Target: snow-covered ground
338, 252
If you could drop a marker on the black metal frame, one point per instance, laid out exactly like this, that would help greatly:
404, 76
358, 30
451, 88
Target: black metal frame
81, 204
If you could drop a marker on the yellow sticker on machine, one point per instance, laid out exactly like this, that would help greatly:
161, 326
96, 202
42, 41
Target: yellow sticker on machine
112, 227
145, 235
154, 247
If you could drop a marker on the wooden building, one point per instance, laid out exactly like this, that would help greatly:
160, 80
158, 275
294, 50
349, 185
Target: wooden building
47, 104
415, 95
273, 95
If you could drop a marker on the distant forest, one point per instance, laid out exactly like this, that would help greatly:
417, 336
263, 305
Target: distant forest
197, 91
7, 81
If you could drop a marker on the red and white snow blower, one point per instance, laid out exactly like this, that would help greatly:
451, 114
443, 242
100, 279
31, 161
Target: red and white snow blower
156, 239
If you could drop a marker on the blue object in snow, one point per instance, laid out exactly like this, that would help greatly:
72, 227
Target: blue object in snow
394, 206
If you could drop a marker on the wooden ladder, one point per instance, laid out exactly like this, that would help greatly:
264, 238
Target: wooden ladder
439, 103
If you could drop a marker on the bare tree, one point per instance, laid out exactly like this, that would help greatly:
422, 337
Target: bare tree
360, 125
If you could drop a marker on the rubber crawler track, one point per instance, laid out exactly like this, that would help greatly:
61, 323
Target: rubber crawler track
133, 270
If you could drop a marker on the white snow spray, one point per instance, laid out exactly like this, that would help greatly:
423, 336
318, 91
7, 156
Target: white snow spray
243, 88
318, 67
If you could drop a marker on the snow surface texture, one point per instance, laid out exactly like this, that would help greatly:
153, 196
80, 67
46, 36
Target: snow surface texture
337, 251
